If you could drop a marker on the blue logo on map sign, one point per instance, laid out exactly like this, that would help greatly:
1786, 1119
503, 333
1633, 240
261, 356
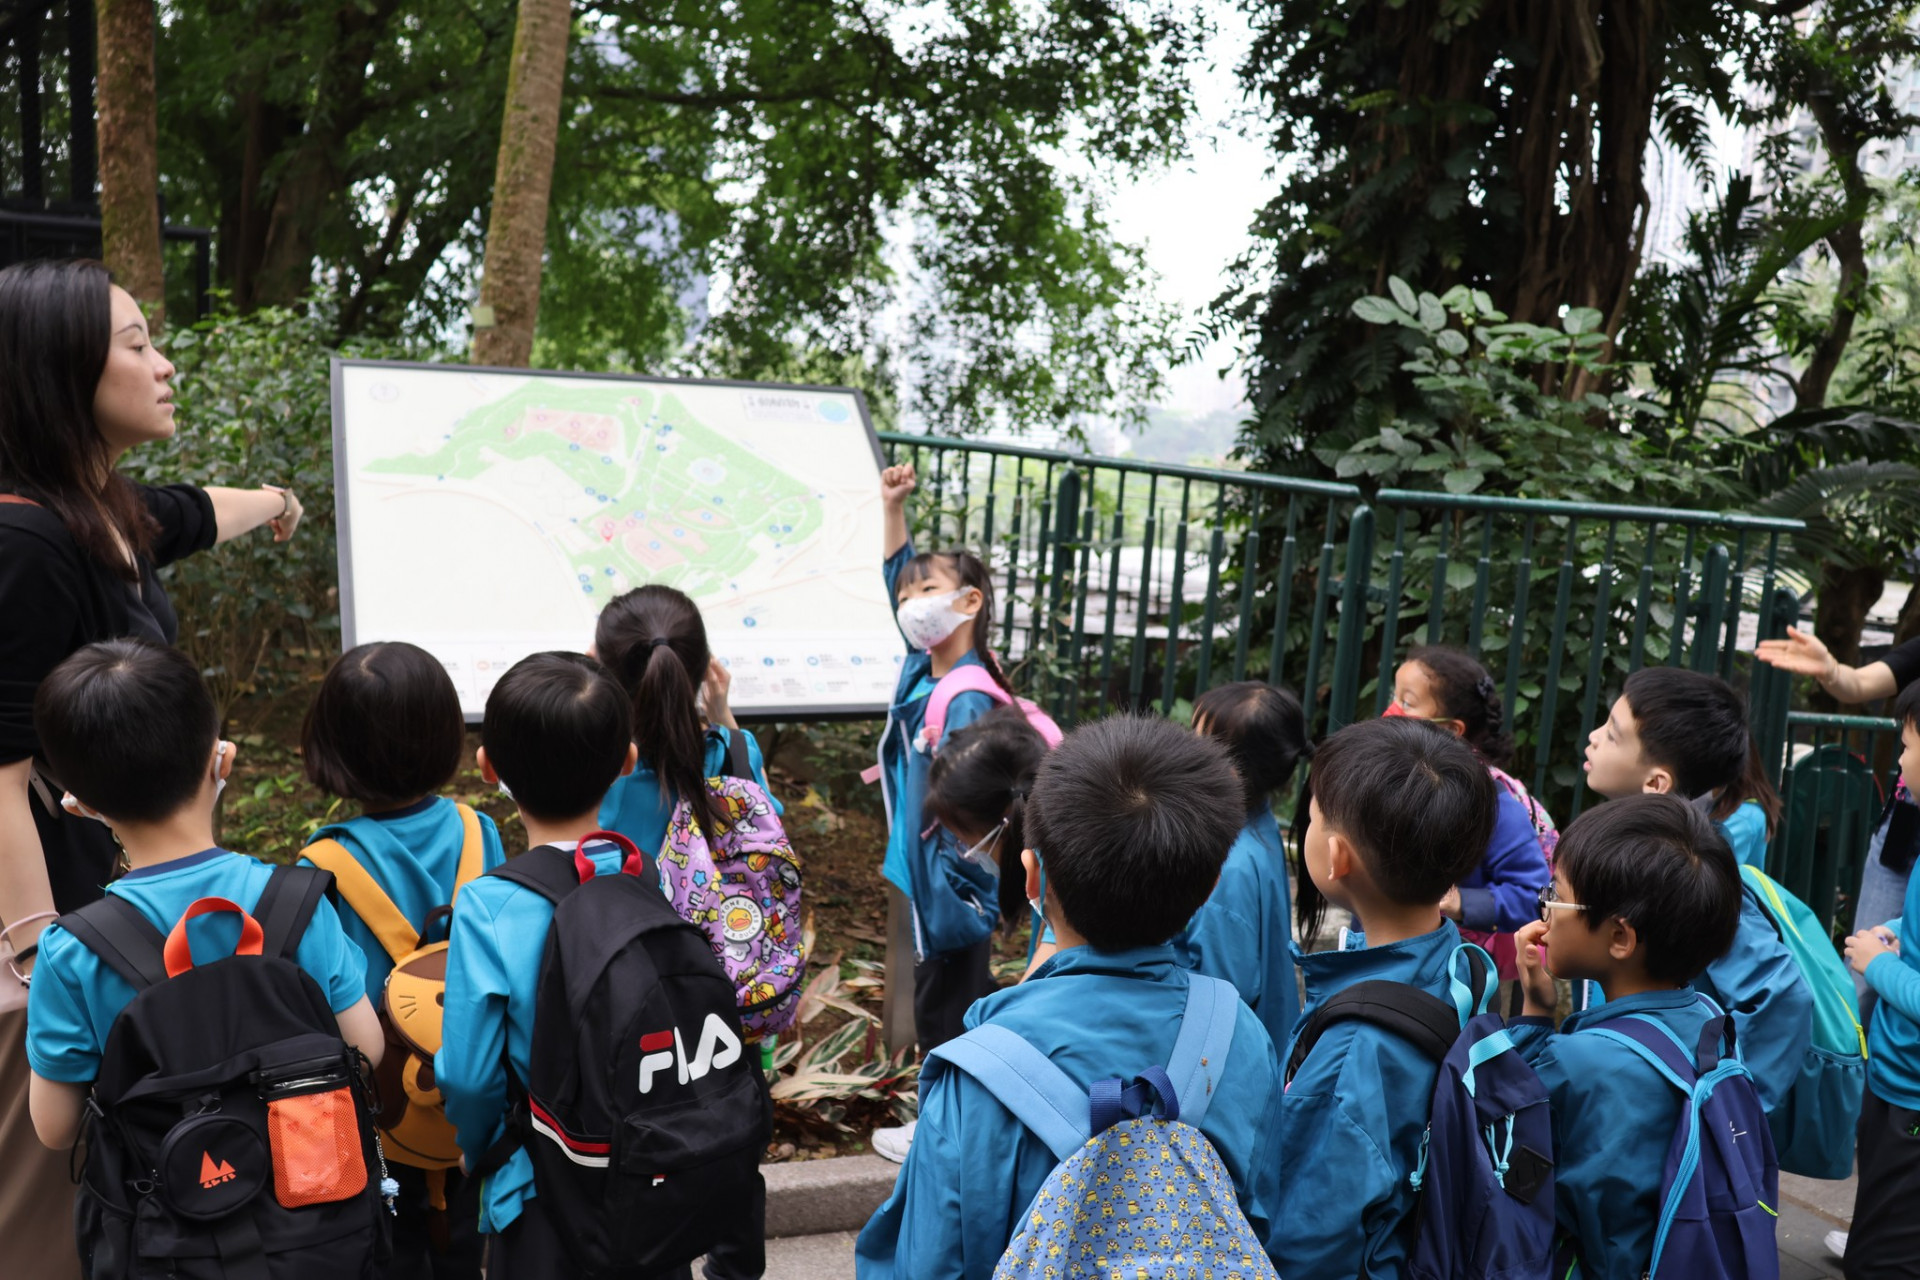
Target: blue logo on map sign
833, 411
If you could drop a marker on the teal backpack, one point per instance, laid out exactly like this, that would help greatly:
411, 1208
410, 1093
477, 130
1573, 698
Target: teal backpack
1813, 1127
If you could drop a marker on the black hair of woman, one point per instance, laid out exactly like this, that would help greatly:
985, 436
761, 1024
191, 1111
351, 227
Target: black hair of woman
654, 641
969, 570
1466, 692
979, 781
1264, 729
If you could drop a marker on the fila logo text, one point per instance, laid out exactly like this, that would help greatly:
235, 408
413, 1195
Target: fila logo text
660, 1050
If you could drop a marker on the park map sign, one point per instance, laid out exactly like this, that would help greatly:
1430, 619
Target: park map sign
485, 514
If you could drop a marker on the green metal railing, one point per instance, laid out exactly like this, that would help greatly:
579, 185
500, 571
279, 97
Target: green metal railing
1125, 584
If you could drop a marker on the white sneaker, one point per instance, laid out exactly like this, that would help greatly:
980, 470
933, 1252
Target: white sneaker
892, 1144
1837, 1243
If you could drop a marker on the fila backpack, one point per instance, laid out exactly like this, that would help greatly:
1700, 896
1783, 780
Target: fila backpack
740, 886
643, 1113
1813, 1124
228, 1136
1485, 1170
414, 1128
1721, 1183
1139, 1191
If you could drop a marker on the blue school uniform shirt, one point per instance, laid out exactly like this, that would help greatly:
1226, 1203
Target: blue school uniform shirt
1613, 1119
954, 900
1759, 982
1353, 1116
1244, 932
1745, 830
413, 854
974, 1169
493, 967
635, 808
1503, 893
1893, 1035
75, 997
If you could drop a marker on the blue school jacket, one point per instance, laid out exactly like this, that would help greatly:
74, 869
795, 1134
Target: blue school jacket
1893, 1036
499, 933
635, 808
413, 853
1244, 932
1746, 830
1352, 1119
1613, 1118
75, 998
1503, 892
1760, 984
973, 1169
955, 902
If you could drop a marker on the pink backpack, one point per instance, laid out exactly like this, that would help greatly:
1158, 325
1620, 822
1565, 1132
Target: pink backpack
974, 678
741, 887
1543, 829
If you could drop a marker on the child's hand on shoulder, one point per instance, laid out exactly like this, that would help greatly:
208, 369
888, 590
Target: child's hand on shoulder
1536, 984
897, 482
1865, 945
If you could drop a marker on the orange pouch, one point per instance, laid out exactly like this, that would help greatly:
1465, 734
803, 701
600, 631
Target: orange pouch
314, 1138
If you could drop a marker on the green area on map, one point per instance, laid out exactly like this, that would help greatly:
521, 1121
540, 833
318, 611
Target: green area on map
653, 494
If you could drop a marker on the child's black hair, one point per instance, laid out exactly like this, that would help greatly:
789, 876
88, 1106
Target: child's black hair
385, 727
1466, 692
1695, 726
557, 731
969, 570
128, 727
1263, 729
1415, 801
1906, 707
1132, 818
982, 777
654, 639
1660, 864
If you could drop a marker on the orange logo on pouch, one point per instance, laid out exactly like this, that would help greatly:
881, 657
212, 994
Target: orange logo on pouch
211, 1174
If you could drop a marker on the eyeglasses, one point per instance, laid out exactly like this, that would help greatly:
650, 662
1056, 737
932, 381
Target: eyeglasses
1550, 904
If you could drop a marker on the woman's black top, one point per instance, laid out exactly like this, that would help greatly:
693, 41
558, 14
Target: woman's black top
1904, 661
54, 598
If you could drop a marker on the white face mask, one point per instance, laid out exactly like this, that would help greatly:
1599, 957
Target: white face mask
982, 854
927, 620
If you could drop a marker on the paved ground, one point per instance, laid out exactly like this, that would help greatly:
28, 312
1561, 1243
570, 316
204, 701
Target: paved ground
1808, 1210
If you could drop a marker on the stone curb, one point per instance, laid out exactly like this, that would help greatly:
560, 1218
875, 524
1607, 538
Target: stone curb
812, 1197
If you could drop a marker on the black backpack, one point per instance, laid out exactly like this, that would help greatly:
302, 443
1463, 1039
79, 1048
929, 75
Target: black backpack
229, 1134
644, 1112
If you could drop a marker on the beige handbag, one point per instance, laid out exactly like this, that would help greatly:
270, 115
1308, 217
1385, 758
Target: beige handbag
36, 1185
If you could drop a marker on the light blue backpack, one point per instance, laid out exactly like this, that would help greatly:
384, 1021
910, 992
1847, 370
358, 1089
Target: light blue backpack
1139, 1191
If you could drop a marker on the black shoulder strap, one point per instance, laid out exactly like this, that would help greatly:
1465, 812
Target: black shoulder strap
546, 870
1425, 1021
124, 939
739, 764
287, 905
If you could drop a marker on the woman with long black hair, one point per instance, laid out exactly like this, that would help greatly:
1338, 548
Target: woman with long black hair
81, 383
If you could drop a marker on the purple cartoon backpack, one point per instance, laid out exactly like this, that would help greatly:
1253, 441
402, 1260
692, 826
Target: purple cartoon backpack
741, 887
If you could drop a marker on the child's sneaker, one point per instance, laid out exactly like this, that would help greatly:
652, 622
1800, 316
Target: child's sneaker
892, 1144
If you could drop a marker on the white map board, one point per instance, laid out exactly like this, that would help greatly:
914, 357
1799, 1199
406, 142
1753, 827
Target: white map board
487, 514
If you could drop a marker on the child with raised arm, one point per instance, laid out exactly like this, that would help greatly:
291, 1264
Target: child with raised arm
1683, 733
1401, 812
1242, 934
1645, 894
1130, 819
943, 602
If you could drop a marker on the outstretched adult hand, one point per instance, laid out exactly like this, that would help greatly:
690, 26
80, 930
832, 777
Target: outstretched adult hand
1800, 653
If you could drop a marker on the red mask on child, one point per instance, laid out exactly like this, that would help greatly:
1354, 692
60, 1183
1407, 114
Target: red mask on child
1395, 709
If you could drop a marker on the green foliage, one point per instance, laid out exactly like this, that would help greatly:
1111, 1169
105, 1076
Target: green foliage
252, 402
1500, 410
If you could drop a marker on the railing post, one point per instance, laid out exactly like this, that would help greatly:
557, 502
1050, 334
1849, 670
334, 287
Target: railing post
1351, 627
1713, 610
1066, 536
1771, 693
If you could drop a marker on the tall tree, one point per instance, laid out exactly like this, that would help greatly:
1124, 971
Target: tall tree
522, 183
129, 152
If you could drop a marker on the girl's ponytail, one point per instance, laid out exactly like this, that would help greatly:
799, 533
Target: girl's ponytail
654, 639
1309, 908
1752, 784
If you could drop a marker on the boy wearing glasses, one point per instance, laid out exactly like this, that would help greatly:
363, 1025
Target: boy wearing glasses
1645, 894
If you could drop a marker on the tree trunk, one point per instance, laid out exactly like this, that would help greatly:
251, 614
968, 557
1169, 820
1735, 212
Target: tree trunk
129, 153
522, 182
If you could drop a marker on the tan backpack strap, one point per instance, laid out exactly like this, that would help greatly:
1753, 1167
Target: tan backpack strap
472, 849
364, 894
